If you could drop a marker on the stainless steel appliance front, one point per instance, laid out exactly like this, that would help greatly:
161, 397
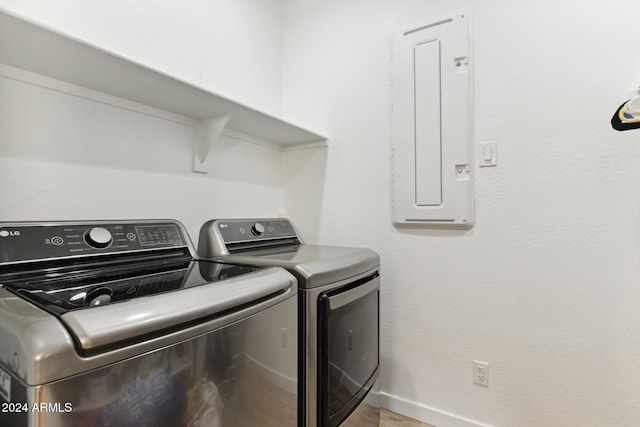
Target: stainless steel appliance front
338, 290
341, 337
124, 328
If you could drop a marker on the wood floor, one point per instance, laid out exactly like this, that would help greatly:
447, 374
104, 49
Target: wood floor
391, 419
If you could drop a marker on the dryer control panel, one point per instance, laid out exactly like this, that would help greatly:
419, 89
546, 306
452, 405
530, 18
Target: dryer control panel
254, 229
226, 236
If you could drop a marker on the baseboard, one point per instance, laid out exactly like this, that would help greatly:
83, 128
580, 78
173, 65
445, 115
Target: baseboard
426, 414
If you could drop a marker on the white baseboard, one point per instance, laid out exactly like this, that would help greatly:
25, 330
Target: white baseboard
426, 414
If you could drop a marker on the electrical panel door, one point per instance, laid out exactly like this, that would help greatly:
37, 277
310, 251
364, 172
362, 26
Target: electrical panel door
432, 125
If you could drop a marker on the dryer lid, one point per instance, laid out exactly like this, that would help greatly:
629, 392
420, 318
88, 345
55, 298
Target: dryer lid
313, 265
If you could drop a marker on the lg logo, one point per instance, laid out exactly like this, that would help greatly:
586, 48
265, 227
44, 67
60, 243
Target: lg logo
5, 233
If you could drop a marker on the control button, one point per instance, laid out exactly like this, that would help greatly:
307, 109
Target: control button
98, 296
131, 236
98, 238
100, 300
257, 229
57, 240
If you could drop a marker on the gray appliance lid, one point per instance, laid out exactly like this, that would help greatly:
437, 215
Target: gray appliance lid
313, 265
42, 348
112, 324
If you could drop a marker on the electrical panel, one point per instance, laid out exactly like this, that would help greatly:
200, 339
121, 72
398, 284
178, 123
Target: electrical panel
432, 125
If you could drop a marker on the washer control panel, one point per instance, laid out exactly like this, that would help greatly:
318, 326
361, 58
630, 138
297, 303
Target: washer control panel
245, 230
40, 241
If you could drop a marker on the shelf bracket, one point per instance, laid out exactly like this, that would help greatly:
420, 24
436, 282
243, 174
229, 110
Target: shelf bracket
209, 131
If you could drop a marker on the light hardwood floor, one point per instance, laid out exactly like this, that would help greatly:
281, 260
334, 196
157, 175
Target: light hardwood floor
391, 419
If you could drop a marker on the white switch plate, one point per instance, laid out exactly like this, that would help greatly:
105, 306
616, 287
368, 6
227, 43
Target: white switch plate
488, 154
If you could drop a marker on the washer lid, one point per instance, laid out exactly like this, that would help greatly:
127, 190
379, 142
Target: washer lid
112, 325
313, 265
39, 347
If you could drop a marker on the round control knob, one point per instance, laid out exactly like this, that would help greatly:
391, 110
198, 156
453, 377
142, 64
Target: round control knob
98, 296
257, 229
98, 238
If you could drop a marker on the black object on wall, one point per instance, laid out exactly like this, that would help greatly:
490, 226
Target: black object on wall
623, 120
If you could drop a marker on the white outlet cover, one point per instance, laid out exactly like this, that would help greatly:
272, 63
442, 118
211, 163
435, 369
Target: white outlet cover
481, 373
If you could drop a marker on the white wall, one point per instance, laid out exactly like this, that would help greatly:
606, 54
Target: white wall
545, 286
64, 157
233, 48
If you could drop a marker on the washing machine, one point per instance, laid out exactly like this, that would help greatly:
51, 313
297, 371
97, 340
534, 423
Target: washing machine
338, 314
116, 323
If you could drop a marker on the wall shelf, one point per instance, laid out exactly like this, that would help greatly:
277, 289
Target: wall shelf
39, 50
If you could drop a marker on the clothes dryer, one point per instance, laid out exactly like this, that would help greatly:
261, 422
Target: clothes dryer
339, 296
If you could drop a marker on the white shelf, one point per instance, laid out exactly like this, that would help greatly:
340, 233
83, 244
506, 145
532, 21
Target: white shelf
45, 52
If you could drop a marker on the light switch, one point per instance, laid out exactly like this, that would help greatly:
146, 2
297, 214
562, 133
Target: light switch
488, 154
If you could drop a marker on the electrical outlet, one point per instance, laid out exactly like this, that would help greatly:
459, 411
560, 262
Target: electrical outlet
481, 373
